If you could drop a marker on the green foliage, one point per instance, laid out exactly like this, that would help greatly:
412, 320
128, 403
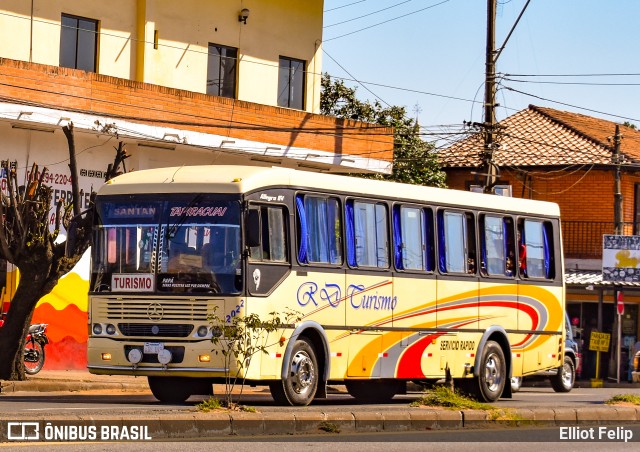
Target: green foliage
328, 427
442, 396
241, 338
624, 398
210, 404
414, 160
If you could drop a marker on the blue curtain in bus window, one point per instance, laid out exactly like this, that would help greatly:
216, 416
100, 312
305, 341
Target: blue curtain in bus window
302, 252
442, 260
351, 240
547, 254
397, 239
317, 224
429, 251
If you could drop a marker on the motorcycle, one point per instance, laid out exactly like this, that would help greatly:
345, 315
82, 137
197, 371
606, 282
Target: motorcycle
34, 348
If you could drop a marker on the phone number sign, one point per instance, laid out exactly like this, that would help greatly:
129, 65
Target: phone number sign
599, 342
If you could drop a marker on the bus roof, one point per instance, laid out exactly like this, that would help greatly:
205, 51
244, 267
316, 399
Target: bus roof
238, 179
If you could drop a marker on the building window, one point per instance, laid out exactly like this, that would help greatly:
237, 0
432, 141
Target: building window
221, 71
78, 43
291, 83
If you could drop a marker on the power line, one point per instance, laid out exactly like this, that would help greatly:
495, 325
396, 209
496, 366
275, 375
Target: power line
386, 21
575, 75
368, 14
548, 82
344, 6
570, 105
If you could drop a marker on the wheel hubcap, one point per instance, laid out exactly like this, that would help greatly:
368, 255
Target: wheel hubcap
302, 372
493, 373
566, 375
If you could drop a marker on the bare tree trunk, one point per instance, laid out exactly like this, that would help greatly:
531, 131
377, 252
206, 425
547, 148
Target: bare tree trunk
13, 334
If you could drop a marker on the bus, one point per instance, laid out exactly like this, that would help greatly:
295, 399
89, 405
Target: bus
394, 283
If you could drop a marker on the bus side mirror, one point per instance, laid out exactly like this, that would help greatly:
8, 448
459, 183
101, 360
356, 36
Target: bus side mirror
252, 228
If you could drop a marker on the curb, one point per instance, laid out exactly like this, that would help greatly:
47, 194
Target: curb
69, 386
218, 425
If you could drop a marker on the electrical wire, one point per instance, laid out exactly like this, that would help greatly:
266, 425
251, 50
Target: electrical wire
386, 21
570, 105
344, 6
368, 14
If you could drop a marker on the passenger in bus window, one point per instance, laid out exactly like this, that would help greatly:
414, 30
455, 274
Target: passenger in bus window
509, 264
522, 255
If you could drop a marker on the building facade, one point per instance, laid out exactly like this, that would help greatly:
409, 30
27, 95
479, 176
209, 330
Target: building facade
569, 159
178, 83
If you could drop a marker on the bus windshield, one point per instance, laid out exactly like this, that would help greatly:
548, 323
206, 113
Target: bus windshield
176, 245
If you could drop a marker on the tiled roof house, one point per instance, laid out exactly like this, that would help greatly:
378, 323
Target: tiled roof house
565, 157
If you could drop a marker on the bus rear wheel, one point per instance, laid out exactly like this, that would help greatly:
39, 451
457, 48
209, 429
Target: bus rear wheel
492, 375
170, 389
372, 391
299, 386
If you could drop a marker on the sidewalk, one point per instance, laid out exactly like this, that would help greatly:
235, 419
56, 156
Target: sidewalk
75, 381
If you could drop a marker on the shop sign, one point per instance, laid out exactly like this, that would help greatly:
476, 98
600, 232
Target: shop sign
599, 342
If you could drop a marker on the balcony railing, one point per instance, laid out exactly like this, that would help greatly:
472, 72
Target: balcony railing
583, 239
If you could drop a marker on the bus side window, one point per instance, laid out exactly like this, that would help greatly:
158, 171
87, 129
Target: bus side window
536, 250
498, 258
367, 234
413, 235
319, 230
272, 245
456, 243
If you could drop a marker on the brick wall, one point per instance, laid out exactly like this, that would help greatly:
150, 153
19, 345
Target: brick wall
75, 90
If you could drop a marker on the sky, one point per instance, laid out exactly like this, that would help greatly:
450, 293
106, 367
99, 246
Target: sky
581, 56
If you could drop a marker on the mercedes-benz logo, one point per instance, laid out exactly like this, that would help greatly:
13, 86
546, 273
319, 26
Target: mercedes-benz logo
155, 311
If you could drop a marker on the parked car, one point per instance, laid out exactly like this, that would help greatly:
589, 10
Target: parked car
563, 378
635, 372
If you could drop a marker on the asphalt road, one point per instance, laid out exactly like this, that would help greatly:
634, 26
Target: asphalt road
495, 440
114, 402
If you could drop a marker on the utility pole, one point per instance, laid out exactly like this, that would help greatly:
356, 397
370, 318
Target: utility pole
616, 159
490, 170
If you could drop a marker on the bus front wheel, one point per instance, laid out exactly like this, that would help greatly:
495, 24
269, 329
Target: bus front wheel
170, 389
299, 386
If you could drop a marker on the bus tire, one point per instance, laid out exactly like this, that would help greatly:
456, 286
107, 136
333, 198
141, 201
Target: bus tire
492, 375
563, 380
373, 391
299, 386
170, 389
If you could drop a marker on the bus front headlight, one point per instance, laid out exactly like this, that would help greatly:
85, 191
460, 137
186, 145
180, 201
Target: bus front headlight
202, 331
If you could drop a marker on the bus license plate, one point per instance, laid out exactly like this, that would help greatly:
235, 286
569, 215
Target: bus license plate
153, 347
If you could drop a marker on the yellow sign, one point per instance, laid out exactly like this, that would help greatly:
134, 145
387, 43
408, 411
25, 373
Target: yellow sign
599, 342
